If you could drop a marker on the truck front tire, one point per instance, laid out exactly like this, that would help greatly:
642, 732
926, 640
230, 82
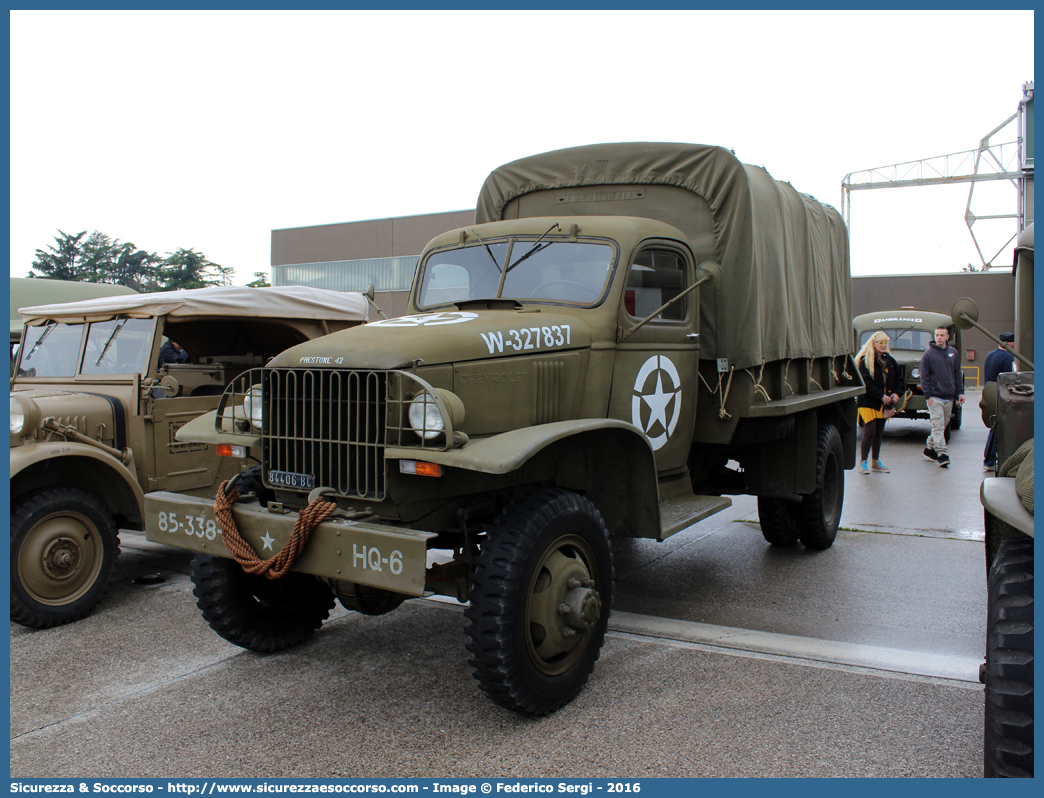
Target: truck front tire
256, 613
64, 543
820, 513
539, 602
1008, 739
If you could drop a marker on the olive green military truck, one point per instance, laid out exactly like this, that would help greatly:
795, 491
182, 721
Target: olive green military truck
575, 365
910, 330
94, 413
1007, 501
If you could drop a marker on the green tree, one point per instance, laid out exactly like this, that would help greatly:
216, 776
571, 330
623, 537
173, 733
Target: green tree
260, 281
105, 260
61, 262
187, 268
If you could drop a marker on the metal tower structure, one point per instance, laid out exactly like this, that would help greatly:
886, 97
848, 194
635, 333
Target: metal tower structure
991, 160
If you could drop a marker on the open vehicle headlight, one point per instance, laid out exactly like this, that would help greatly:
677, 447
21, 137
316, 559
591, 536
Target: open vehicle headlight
25, 414
252, 409
426, 418
916, 374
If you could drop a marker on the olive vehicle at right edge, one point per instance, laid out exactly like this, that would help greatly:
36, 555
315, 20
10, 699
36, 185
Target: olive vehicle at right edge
620, 342
1007, 502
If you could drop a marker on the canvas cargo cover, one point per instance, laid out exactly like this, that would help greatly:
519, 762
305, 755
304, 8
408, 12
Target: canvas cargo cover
293, 302
786, 289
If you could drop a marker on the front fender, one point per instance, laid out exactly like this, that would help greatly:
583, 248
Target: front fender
504, 453
609, 461
77, 465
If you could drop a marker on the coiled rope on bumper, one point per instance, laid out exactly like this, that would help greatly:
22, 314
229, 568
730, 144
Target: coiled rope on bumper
274, 567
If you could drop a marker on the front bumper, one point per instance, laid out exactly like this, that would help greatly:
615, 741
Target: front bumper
375, 555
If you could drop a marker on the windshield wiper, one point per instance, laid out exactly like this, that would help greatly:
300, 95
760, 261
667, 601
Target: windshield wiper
40, 340
489, 252
112, 337
536, 247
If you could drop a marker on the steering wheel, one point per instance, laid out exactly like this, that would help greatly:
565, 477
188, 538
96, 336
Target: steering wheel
585, 288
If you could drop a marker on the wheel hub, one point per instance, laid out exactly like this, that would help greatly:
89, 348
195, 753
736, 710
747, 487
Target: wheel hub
582, 606
61, 558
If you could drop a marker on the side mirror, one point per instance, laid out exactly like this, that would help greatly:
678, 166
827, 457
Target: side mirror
965, 314
369, 294
709, 273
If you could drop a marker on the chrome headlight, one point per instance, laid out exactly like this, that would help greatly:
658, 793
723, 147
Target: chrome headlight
252, 409
25, 414
425, 417
916, 374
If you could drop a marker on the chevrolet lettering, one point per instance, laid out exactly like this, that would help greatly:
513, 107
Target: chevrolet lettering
566, 372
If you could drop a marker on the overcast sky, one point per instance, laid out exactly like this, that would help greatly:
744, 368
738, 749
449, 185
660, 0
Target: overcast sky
210, 129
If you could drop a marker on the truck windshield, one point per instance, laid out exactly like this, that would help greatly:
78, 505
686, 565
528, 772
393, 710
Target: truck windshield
526, 269
906, 338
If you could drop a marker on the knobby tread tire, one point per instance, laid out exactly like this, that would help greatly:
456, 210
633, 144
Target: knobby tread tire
1008, 739
30, 510
778, 520
499, 595
256, 613
820, 513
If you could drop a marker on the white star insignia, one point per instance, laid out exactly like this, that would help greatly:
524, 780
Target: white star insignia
268, 540
658, 402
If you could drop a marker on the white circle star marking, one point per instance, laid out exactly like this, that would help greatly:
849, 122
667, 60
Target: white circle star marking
658, 401
268, 540
426, 319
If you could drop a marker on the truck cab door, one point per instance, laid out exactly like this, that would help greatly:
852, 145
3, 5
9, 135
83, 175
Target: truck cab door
656, 367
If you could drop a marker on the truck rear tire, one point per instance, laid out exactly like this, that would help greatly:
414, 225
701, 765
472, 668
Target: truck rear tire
256, 613
778, 519
64, 543
820, 513
1008, 739
540, 596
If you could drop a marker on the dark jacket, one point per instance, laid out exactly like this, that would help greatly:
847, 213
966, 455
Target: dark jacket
941, 376
885, 379
168, 354
997, 361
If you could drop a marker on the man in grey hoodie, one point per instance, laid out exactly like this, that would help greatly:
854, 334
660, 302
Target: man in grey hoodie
943, 383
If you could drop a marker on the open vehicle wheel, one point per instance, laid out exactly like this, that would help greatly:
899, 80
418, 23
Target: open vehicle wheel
1008, 745
63, 545
820, 512
258, 613
539, 602
778, 519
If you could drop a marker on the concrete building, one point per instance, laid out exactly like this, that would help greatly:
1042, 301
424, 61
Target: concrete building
351, 255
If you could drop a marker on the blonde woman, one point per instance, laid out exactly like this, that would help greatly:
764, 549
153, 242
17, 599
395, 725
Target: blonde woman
881, 374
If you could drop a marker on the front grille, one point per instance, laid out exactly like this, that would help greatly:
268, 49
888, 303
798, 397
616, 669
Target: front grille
328, 424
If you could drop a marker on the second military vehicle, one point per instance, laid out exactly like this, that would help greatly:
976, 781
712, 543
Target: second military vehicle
910, 331
575, 365
94, 414
1007, 501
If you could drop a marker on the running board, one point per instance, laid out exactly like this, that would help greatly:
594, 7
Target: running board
681, 513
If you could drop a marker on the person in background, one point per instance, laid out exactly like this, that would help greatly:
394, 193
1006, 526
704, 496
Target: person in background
1000, 359
880, 373
171, 352
942, 382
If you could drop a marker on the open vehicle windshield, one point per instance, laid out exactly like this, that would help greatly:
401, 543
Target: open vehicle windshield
526, 269
115, 347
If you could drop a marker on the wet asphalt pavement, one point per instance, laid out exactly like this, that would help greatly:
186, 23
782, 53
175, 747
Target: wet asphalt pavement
725, 657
